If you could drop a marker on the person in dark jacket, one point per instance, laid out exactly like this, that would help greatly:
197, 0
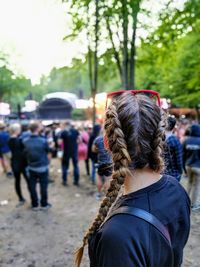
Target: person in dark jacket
91, 155
36, 150
191, 157
156, 233
173, 152
70, 138
17, 161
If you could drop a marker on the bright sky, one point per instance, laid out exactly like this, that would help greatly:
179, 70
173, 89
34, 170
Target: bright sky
31, 32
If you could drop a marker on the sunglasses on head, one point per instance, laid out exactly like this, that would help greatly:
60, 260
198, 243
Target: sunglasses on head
155, 96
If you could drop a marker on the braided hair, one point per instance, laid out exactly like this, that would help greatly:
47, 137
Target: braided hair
134, 133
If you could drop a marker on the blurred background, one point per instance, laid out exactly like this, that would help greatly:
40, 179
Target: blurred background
58, 60
87, 47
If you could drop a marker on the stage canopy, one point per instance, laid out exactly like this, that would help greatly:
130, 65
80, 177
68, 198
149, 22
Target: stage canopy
57, 105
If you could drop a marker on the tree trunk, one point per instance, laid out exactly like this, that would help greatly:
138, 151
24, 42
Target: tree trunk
115, 52
94, 91
125, 44
133, 49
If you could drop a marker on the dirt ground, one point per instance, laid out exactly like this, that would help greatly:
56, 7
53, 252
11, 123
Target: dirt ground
48, 238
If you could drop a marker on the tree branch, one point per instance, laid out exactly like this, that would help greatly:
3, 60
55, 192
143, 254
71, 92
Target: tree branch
135, 11
116, 53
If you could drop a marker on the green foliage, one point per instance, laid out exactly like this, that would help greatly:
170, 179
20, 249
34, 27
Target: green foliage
13, 88
169, 60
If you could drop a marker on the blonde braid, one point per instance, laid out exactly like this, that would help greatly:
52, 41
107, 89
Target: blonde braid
121, 159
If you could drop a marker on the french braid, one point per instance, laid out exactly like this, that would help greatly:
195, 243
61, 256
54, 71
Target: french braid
121, 159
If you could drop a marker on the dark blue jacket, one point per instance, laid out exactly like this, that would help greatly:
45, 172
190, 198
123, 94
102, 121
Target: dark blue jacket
36, 150
191, 148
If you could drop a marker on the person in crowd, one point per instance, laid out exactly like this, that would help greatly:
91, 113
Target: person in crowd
149, 224
5, 150
17, 161
36, 150
55, 130
83, 146
173, 151
91, 155
104, 169
87, 163
46, 132
191, 157
70, 139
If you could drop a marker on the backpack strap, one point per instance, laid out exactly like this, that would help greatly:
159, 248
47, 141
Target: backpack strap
144, 215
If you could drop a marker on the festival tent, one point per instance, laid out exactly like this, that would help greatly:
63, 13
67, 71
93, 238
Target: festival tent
57, 105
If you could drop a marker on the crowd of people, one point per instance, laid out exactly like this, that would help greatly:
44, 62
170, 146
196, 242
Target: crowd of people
27, 150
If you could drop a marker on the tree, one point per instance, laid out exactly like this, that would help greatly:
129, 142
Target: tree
168, 60
119, 19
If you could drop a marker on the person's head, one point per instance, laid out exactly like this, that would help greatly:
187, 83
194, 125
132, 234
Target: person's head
34, 128
171, 122
134, 129
15, 129
67, 125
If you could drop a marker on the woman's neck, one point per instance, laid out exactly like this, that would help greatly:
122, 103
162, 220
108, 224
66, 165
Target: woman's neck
140, 178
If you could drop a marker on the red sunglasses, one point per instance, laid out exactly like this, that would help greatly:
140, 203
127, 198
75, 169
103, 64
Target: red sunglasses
150, 93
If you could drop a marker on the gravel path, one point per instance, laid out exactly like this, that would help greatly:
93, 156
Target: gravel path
48, 238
